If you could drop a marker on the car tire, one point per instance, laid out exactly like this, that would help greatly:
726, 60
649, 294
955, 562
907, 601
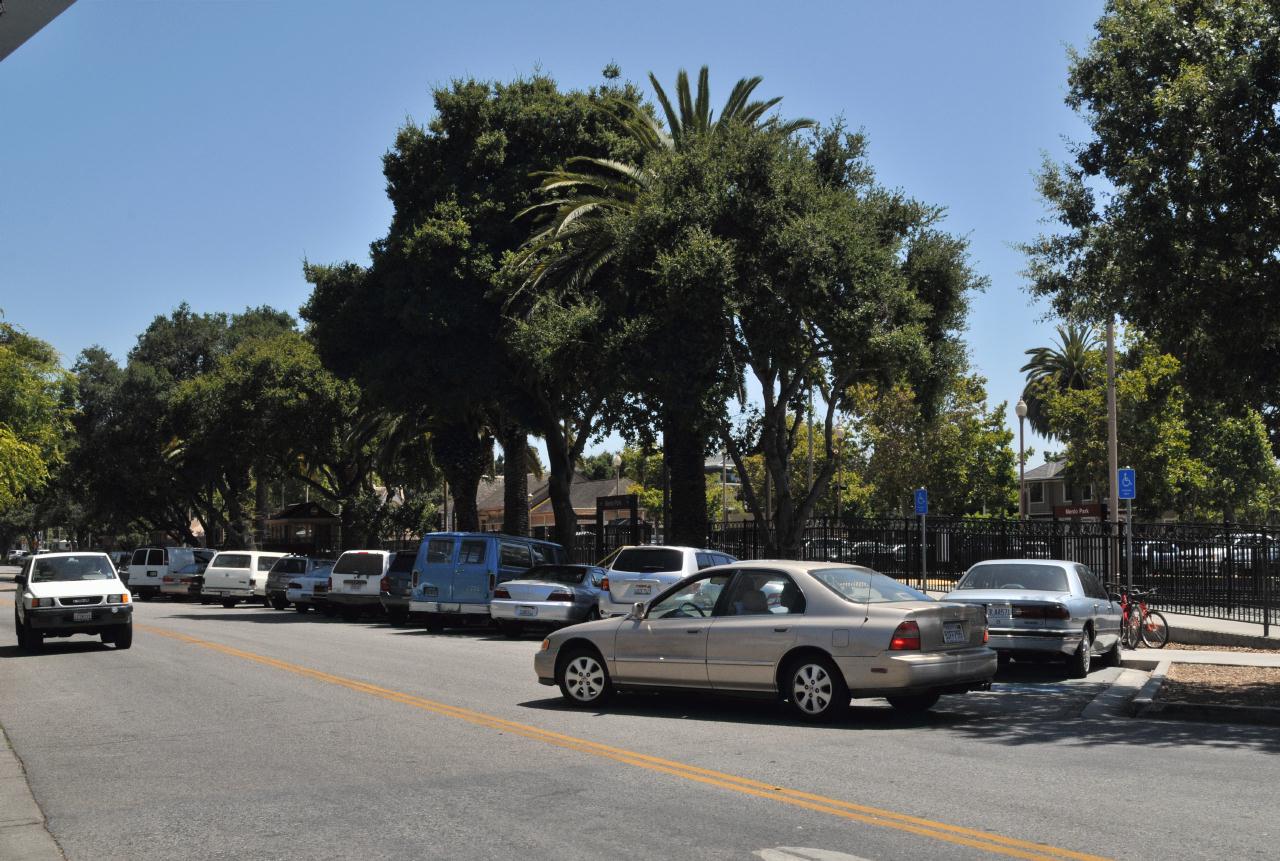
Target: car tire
511, 630
28, 640
228, 603
279, 603
816, 688
1112, 656
123, 638
328, 610
301, 607
434, 623
914, 704
350, 614
1079, 664
398, 618
583, 678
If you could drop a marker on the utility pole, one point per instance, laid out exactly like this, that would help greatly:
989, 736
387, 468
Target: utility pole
1113, 455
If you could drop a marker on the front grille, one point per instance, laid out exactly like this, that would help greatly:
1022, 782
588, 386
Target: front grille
80, 602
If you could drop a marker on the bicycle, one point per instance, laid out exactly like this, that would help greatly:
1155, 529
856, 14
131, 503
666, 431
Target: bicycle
1143, 626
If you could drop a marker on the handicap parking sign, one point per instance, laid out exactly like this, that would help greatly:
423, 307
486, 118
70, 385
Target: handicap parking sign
922, 501
1127, 483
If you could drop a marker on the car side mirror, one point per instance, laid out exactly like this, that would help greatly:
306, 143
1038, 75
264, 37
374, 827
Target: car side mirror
637, 611
20, 579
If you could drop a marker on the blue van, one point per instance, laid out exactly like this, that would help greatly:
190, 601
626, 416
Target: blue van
455, 573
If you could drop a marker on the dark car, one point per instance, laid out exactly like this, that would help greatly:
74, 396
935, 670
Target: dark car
396, 585
286, 569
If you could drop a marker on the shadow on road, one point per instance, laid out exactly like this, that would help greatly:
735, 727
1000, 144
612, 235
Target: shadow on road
57, 647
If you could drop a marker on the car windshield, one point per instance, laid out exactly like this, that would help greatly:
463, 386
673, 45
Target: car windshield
1012, 575
570, 575
67, 569
647, 560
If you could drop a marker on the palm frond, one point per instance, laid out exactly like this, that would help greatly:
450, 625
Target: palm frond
702, 105
673, 120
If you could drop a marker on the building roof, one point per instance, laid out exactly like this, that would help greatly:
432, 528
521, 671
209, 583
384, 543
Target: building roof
583, 493
490, 495
1046, 471
303, 511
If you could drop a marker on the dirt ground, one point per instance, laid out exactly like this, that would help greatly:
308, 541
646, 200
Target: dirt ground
1222, 685
1187, 647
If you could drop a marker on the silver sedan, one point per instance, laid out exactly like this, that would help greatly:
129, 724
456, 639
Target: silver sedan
1044, 607
554, 595
812, 633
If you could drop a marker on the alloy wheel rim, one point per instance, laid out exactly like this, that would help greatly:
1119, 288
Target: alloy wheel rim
584, 677
811, 689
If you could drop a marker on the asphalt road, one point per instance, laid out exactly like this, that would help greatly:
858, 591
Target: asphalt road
252, 732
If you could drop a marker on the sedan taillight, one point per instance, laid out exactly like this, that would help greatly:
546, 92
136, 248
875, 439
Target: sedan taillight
501, 593
604, 584
906, 637
560, 596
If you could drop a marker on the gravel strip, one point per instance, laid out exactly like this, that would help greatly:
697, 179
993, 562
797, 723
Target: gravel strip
1188, 647
1215, 684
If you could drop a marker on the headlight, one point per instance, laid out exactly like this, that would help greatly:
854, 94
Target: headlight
118, 599
40, 602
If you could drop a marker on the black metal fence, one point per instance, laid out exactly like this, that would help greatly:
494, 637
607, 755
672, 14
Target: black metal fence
1222, 571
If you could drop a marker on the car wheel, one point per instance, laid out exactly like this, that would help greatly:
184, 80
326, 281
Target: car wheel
1078, 664
583, 678
279, 603
329, 610
397, 618
816, 689
434, 623
228, 603
350, 614
301, 607
1112, 656
914, 704
511, 630
29, 640
123, 638
593, 614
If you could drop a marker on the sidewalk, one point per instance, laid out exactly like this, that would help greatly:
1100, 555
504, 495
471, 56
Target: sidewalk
1198, 630
23, 836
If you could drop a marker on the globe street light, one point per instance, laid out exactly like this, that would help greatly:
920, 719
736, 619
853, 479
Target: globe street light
1021, 410
617, 466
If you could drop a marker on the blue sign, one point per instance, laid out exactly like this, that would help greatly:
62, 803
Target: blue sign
1127, 482
922, 501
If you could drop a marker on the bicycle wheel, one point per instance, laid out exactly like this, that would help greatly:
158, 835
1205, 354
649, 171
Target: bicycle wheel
1155, 630
1131, 635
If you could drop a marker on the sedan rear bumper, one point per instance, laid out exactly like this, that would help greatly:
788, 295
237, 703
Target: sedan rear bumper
557, 612
920, 672
1042, 642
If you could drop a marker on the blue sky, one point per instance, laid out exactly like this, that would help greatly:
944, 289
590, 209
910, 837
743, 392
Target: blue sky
160, 152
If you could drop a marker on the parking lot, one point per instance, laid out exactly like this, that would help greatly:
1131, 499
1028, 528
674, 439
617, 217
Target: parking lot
229, 732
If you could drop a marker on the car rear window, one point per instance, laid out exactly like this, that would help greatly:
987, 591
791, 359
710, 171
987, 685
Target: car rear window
230, 560
290, 565
570, 575
648, 560
265, 563
1014, 575
402, 562
439, 551
359, 563
866, 587
515, 556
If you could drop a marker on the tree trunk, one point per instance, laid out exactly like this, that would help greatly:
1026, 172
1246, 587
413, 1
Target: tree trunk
260, 504
560, 488
462, 451
685, 446
515, 479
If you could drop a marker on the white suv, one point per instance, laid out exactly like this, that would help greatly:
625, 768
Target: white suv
238, 575
355, 584
635, 575
60, 594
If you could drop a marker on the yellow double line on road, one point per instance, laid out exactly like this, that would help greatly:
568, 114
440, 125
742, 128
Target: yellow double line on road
955, 834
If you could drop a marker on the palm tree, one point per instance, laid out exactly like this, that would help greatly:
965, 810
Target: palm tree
575, 240
572, 246
1064, 365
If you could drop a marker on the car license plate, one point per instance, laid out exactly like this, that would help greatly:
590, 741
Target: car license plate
1001, 613
450, 608
642, 589
526, 611
85, 616
952, 632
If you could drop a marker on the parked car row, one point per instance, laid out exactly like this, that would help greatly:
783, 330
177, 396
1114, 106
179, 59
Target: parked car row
653, 617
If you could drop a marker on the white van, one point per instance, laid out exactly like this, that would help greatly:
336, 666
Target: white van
238, 575
146, 570
356, 582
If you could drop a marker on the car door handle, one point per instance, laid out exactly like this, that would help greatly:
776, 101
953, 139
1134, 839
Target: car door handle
779, 630
693, 631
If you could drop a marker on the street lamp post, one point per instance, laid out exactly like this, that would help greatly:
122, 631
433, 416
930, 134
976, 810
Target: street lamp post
617, 468
1021, 410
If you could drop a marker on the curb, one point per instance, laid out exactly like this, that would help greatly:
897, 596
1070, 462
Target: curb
1145, 705
24, 835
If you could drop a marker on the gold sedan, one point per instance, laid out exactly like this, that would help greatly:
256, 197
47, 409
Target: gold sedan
814, 634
